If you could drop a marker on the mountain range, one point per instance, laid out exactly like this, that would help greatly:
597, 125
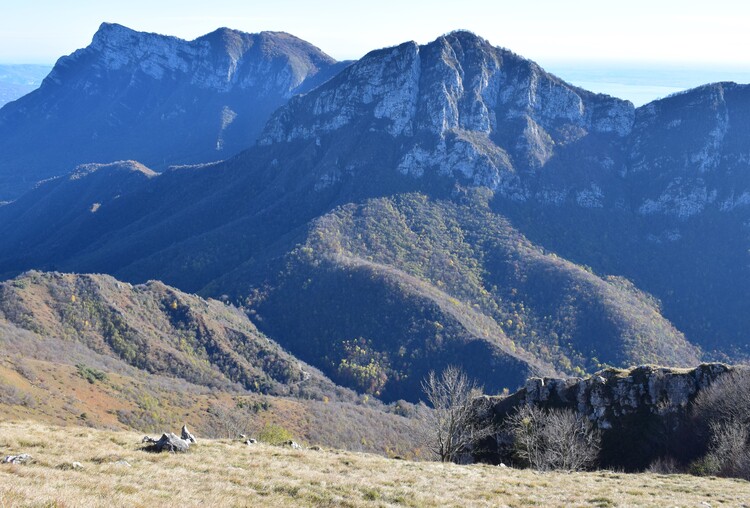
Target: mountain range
449, 203
161, 100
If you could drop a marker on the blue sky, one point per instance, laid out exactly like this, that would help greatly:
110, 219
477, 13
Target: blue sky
638, 50
686, 32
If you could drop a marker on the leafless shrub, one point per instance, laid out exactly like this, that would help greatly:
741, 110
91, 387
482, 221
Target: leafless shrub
555, 439
725, 400
14, 397
450, 427
230, 422
722, 415
664, 465
729, 451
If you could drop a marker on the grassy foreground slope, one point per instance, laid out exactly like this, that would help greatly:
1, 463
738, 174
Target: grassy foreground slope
228, 473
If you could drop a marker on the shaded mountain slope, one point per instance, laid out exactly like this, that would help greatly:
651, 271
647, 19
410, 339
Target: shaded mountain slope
157, 99
446, 273
682, 235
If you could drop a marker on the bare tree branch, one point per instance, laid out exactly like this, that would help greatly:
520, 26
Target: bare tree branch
450, 428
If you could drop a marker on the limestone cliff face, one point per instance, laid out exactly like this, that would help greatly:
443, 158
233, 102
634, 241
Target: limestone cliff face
643, 412
461, 108
688, 153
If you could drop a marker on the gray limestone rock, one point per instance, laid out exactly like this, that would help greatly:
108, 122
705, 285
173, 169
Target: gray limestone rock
23, 458
186, 435
170, 443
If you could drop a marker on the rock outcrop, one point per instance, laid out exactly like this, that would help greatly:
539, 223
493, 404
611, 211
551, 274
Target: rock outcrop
643, 413
23, 458
461, 108
168, 442
186, 435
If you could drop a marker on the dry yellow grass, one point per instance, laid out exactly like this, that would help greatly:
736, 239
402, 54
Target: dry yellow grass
229, 473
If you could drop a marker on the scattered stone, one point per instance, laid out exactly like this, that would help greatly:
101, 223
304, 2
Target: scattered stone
68, 466
24, 458
398, 457
243, 436
149, 439
123, 463
251, 442
291, 444
316, 448
502, 465
169, 443
186, 435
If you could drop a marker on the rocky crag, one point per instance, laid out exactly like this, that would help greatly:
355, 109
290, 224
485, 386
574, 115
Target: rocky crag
643, 413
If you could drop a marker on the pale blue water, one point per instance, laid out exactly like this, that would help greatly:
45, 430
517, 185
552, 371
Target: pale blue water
643, 84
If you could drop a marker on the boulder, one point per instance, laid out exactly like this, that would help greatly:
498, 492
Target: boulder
186, 435
24, 458
170, 443
291, 444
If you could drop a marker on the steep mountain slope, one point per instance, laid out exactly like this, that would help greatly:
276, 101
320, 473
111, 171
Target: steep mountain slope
460, 108
428, 205
464, 286
89, 350
682, 235
158, 329
157, 99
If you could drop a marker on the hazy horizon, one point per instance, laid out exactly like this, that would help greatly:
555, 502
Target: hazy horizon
639, 51
639, 83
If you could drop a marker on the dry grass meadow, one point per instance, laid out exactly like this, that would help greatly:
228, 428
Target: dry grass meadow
230, 473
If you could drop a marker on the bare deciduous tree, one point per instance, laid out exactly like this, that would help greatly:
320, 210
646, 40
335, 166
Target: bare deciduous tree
725, 400
451, 426
722, 416
556, 439
229, 422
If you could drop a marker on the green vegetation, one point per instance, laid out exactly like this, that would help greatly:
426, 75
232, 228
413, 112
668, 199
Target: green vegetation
90, 374
274, 434
422, 281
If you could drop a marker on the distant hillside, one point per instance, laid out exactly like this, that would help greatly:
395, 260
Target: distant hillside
463, 287
18, 80
90, 350
157, 99
157, 329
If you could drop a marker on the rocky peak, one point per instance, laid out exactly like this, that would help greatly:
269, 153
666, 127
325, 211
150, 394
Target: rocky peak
457, 106
688, 152
154, 98
222, 60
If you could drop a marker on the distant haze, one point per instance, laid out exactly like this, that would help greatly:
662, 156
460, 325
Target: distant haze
639, 51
